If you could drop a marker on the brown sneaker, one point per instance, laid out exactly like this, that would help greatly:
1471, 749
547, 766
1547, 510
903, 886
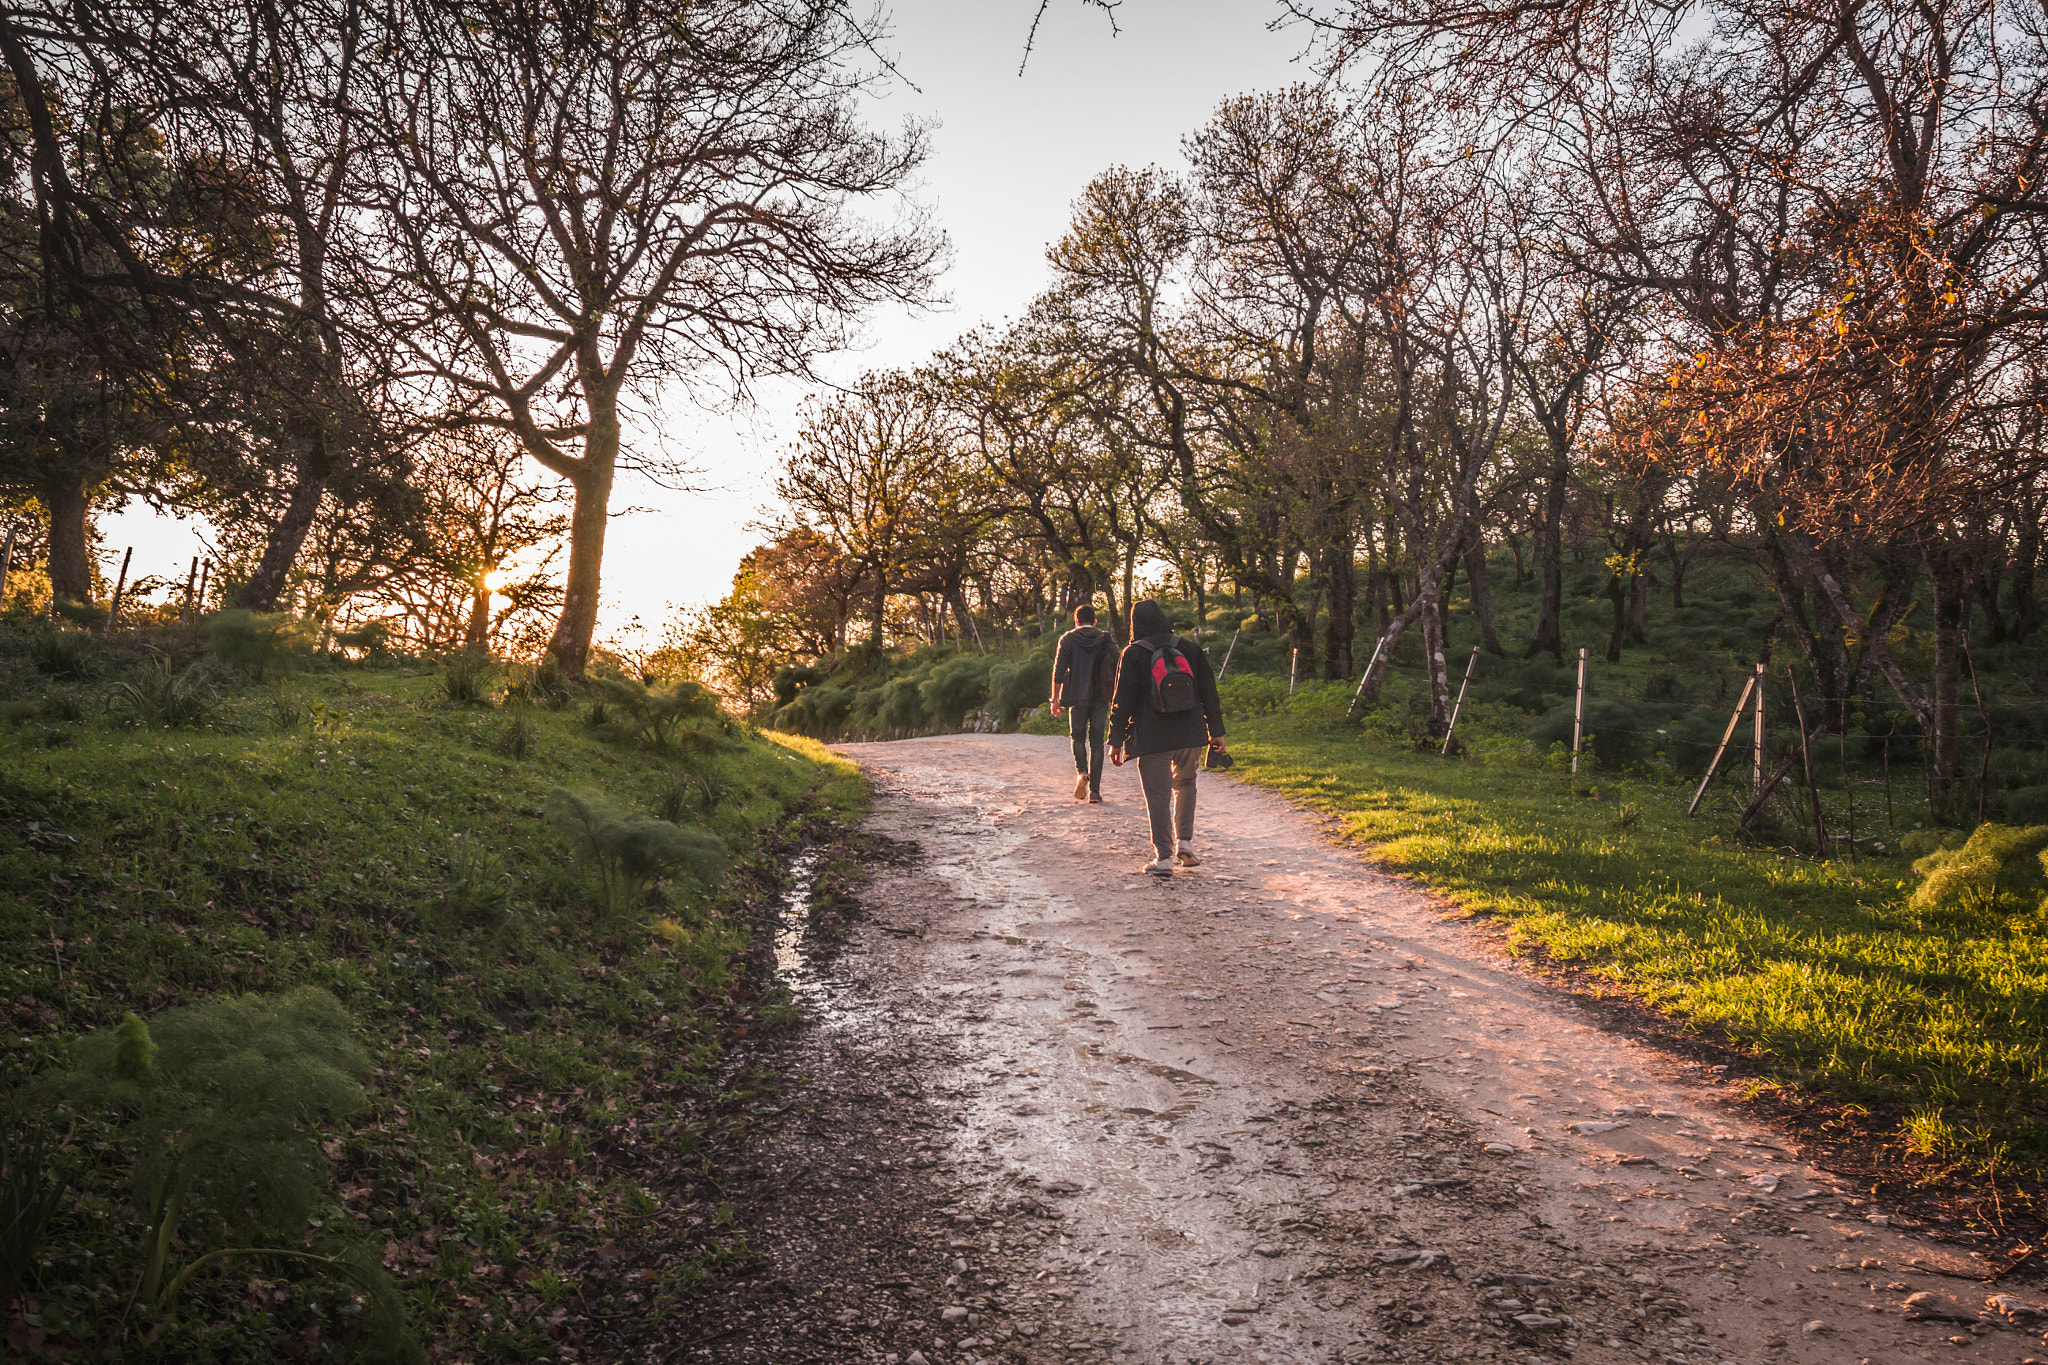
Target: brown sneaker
1094, 797
1081, 787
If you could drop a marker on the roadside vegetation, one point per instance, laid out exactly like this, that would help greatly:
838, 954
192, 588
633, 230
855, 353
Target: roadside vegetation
356, 1007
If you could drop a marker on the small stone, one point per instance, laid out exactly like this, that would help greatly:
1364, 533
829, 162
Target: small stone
954, 1314
1627, 1111
1592, 1128
1882, 1220
916, 1358
959, 1265
1268, 1250
1235, 1319
1501, 1148
1766, 1182
1537, 1322
1919, 1301
1815, 1328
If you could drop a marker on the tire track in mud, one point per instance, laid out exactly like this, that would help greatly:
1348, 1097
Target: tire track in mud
1278, 1110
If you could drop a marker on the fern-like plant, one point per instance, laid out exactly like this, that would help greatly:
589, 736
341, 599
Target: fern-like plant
1996, 863
654, 714
478, 885
218, 1104
629, 851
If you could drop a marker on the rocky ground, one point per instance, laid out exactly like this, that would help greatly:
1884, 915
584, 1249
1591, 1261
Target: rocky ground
1280, 1108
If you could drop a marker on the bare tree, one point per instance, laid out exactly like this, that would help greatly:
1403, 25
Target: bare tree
590, 200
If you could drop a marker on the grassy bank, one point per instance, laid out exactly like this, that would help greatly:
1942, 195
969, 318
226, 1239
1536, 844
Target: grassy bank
538, 1043
1823, 970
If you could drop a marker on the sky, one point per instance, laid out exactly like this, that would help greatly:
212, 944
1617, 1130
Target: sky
1010, 154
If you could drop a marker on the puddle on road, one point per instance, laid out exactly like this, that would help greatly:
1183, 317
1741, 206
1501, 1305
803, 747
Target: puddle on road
807, 976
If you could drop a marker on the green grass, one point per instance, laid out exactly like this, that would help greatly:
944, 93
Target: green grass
1821, 969
362, 832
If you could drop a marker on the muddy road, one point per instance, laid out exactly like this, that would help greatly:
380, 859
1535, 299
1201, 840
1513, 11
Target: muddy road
1282, 1108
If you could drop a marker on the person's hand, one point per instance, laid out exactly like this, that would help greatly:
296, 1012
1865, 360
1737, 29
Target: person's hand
1116, 755
1055, 710
1217, 744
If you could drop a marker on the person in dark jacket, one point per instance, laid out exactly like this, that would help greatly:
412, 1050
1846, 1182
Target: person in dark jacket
1083, 676
1167, 744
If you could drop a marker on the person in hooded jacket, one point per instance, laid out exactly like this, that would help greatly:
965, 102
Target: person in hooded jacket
1167, 744
1083, 676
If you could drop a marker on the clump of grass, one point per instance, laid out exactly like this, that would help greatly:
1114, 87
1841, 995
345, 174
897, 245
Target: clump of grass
66, 655
1996, 865
288, 707
162, 696
543, 684
479, 888
469, 678
653, 714
519, 738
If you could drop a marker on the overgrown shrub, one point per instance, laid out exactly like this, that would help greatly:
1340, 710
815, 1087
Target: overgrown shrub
469, 678
629, 851
1017, 687
902, 704
219, 1105
373, 638
260, 645
162, 696
954, 688
1997, 864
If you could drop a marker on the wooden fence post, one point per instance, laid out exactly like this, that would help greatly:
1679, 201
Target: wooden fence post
191, 576
1293, 671
1579, 712
1757, 779
6, 563
114, 608
1359, 690
1820, 830
1734, 719
1459, 705
1227, 653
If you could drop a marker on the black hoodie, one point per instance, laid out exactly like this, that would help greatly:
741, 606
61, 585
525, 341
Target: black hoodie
1084, 668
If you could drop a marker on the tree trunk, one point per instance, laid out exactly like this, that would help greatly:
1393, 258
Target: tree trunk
588, 521
1950, 593
476, 635
70, 561
1550, 550
2025, 556
1619, 599
1987, 586
281, 547
1639, 606
1338, 627
1480, 577
1443, 601
1439, 672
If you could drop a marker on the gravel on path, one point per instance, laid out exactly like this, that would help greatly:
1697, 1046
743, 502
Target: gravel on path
1283, 1108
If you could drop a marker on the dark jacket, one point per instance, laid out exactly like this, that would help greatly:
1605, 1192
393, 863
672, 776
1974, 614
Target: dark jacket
1084, 667
1137, 728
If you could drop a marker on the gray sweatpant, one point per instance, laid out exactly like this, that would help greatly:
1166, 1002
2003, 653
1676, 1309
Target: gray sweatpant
1169, 782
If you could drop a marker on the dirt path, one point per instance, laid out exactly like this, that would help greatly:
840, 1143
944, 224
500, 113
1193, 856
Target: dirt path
1281, 1109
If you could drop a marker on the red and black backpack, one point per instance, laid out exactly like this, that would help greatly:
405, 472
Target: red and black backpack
1173, 678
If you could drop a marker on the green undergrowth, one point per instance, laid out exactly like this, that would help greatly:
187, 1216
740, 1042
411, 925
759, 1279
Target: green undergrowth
545, 1009
1830, 973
